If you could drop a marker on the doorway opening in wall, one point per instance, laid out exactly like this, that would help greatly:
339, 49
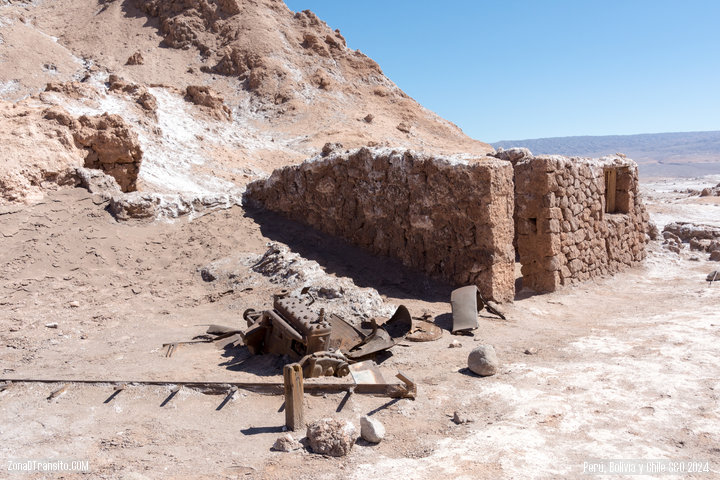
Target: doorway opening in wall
617, 190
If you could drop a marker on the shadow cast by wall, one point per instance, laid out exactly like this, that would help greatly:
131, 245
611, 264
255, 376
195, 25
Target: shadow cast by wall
388, 276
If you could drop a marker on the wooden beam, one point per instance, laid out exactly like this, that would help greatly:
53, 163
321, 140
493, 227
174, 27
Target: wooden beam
294, 418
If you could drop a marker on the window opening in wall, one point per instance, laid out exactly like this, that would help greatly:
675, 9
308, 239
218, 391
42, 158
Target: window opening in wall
610, 189
618, 195
533, 225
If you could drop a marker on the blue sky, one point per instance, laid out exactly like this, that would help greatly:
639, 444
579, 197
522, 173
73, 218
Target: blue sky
517, 69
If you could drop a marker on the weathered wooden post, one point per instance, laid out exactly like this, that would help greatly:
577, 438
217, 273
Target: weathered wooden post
294, 418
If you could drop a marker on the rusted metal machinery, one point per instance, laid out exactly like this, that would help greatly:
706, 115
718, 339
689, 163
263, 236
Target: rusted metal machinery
323, 345
290, 328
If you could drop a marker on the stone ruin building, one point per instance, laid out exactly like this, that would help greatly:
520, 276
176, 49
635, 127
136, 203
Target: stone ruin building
468, 221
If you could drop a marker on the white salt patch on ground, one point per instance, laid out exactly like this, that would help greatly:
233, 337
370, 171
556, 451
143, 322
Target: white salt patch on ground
9, 87
600, 345
619, 393
676, 185
698, 214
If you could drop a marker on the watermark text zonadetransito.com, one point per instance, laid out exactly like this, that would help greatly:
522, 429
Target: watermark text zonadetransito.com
46, 465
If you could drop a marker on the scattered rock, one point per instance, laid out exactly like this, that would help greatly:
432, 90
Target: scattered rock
322, 80
653, 231
403, 127
715, 256
670, 236
139, 93
369, 118
687, 231
531, 351
97, 181
286, 443
214, 104
702, 245
328, 148
483, 360
460, 418
207, 275
140, 205
455, 344
331, 437
74, 304
713, 276
51, 325
707, 192
135, 59
513, 155
371, 429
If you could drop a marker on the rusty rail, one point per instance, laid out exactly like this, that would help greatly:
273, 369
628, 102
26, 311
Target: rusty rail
407, 389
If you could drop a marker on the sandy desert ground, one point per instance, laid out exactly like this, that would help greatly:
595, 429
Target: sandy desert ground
624, 367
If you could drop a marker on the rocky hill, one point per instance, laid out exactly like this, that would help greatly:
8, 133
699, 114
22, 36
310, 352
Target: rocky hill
208, 94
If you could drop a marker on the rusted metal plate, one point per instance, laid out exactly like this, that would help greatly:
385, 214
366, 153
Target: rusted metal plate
343, 336
464, 302
423, 331
378, 342
399, 324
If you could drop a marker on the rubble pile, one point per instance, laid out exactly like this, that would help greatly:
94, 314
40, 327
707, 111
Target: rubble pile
705, 192
291, 271
702, 238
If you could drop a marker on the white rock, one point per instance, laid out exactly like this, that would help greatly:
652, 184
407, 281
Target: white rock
460, 418
51, 325
371, 429
286, 443
483, 360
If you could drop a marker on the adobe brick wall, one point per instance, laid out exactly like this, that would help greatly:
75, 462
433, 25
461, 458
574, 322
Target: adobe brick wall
450, 218
563, 232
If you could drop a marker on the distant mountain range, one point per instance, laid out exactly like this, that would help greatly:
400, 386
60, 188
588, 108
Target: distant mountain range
682, 154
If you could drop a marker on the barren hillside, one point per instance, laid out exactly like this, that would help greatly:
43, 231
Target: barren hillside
268, 87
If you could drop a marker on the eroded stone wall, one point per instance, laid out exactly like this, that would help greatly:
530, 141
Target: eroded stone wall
564, 234
452, 219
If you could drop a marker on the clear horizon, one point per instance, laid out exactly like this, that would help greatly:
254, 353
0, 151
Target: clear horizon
512, 70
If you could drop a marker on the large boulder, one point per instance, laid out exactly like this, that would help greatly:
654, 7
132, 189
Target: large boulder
331, 437
483, 360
